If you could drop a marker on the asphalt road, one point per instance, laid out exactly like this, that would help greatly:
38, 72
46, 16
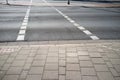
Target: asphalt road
50, 23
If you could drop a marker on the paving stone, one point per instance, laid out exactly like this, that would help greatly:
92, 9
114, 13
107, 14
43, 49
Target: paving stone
105, 76
72, 54
40, 57
105, 58
98, 61
114, 72
6, 66
21, 57
113, 55
115, 61
95, 55
18, 63
53, 54
83, 53
83, 58
117, 68
61, 77
10, 59
52, 59
61, 70
86, 64
27, 66
89, 78
38, 63
88, 71
10, 77
50, 75
3, 57
72, 60
101, 68
73, 67
36, 70
2, 73
73, 75
29, 60
14, 70
62, 63
2, 63
117, 78
51, 66
34, 77
109, 64
23, 75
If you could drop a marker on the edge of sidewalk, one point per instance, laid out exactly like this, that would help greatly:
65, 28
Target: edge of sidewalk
58, 42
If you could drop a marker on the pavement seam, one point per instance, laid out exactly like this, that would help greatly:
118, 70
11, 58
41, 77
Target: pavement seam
22, 31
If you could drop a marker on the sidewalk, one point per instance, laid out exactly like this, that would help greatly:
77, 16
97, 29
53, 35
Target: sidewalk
60, 60
64, 3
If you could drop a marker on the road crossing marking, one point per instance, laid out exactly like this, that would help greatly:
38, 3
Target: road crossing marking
22, 31
87, 32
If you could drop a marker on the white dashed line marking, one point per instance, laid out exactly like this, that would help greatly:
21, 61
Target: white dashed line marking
22, 31
87, 32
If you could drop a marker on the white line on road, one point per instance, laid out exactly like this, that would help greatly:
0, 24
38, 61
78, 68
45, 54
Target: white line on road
22, 31
87, 32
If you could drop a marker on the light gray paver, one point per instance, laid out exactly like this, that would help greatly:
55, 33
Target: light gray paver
95, 55
14, 70
98, 60
73, 75
114, 72
34, 77
72, 54
101, 68
115, 61
51, 66
82, 53
88, 71
61, 70
38, 63
105, 76
61, 77
52, 59
86, 64
117, 67
36, 70
50, 75
72, 60
84, 58
39, 57
18, 63
89, 78
10, 77
73, 67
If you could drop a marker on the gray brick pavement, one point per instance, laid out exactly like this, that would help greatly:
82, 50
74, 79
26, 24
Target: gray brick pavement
82, 60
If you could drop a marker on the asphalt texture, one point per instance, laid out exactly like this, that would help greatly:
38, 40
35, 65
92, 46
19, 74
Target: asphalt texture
46, 24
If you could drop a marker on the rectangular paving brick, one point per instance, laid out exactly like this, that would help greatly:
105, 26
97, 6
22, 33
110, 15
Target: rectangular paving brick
50, 75
83, 53
105, 76
73, 67
101, 67
86, 64
83, 58
62, 70
98, 61
34, 77
51, 66
14, 70
38, 63
73, 75
72, 60
95, 55
89, 78
115, 61
36, 70
18, 63
10, 77
88, 71
52, 59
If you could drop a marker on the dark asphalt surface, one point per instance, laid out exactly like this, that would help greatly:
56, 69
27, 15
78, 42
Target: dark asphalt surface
45, 23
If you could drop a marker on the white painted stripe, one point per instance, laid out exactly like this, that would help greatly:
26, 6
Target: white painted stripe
20, 37
87, 32
74, 23
94, 37
22, 32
